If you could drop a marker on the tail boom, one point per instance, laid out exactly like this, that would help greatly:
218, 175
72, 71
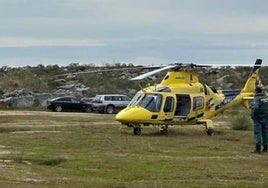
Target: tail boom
251, 82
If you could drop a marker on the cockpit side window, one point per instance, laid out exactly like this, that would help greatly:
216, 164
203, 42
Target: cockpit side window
169, 104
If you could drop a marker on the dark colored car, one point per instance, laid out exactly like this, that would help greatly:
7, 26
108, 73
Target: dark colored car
68, 104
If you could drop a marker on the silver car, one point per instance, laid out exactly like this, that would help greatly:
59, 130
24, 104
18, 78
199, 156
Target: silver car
109, 103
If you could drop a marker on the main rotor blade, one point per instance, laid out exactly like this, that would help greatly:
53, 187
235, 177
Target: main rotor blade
101, 69
145, 75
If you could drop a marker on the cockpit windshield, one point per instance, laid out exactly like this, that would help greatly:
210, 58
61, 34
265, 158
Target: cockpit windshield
151, 102
135, 99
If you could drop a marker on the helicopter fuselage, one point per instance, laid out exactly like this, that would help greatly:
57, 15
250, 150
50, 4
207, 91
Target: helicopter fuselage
179, 99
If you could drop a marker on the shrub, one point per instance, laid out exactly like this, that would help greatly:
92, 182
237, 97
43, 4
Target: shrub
55, 161
241, 121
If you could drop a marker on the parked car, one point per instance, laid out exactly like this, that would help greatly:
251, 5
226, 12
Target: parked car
109, 103
68, 104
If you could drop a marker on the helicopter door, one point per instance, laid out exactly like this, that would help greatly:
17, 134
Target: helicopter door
183, 106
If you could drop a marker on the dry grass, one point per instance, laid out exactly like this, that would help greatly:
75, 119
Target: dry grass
47, 149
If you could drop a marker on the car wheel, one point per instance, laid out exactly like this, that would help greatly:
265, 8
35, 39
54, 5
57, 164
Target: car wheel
110, 109
88, 109
58, 108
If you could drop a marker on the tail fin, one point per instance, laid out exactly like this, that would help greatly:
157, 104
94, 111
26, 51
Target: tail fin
251, 82
249, 88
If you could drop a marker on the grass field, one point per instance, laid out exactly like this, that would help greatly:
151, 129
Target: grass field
47, 149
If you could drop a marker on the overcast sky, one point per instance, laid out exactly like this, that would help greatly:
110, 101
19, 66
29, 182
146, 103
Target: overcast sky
150, 32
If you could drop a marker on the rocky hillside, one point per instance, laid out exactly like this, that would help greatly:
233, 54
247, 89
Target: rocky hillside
32, 86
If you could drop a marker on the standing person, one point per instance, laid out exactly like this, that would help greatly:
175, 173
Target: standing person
259, 115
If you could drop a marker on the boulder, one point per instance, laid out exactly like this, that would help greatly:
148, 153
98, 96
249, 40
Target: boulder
21, 102
41, 99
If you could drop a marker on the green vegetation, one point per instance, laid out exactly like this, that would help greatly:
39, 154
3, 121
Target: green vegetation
47, 149
44, 78
241, 120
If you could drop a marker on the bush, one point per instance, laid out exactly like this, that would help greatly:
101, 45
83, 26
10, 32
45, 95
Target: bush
241, 121
55, 161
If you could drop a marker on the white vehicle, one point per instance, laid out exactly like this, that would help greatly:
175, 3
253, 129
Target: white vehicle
109, 103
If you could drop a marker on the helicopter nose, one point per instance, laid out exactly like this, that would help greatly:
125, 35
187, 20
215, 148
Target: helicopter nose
124, 115
132, 115
120, 117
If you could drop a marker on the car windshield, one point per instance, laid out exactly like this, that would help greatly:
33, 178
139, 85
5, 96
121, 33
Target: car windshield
151, 102
97, 98
74, 100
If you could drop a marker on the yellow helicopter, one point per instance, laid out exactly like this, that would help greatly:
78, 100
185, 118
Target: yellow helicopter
180, 99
